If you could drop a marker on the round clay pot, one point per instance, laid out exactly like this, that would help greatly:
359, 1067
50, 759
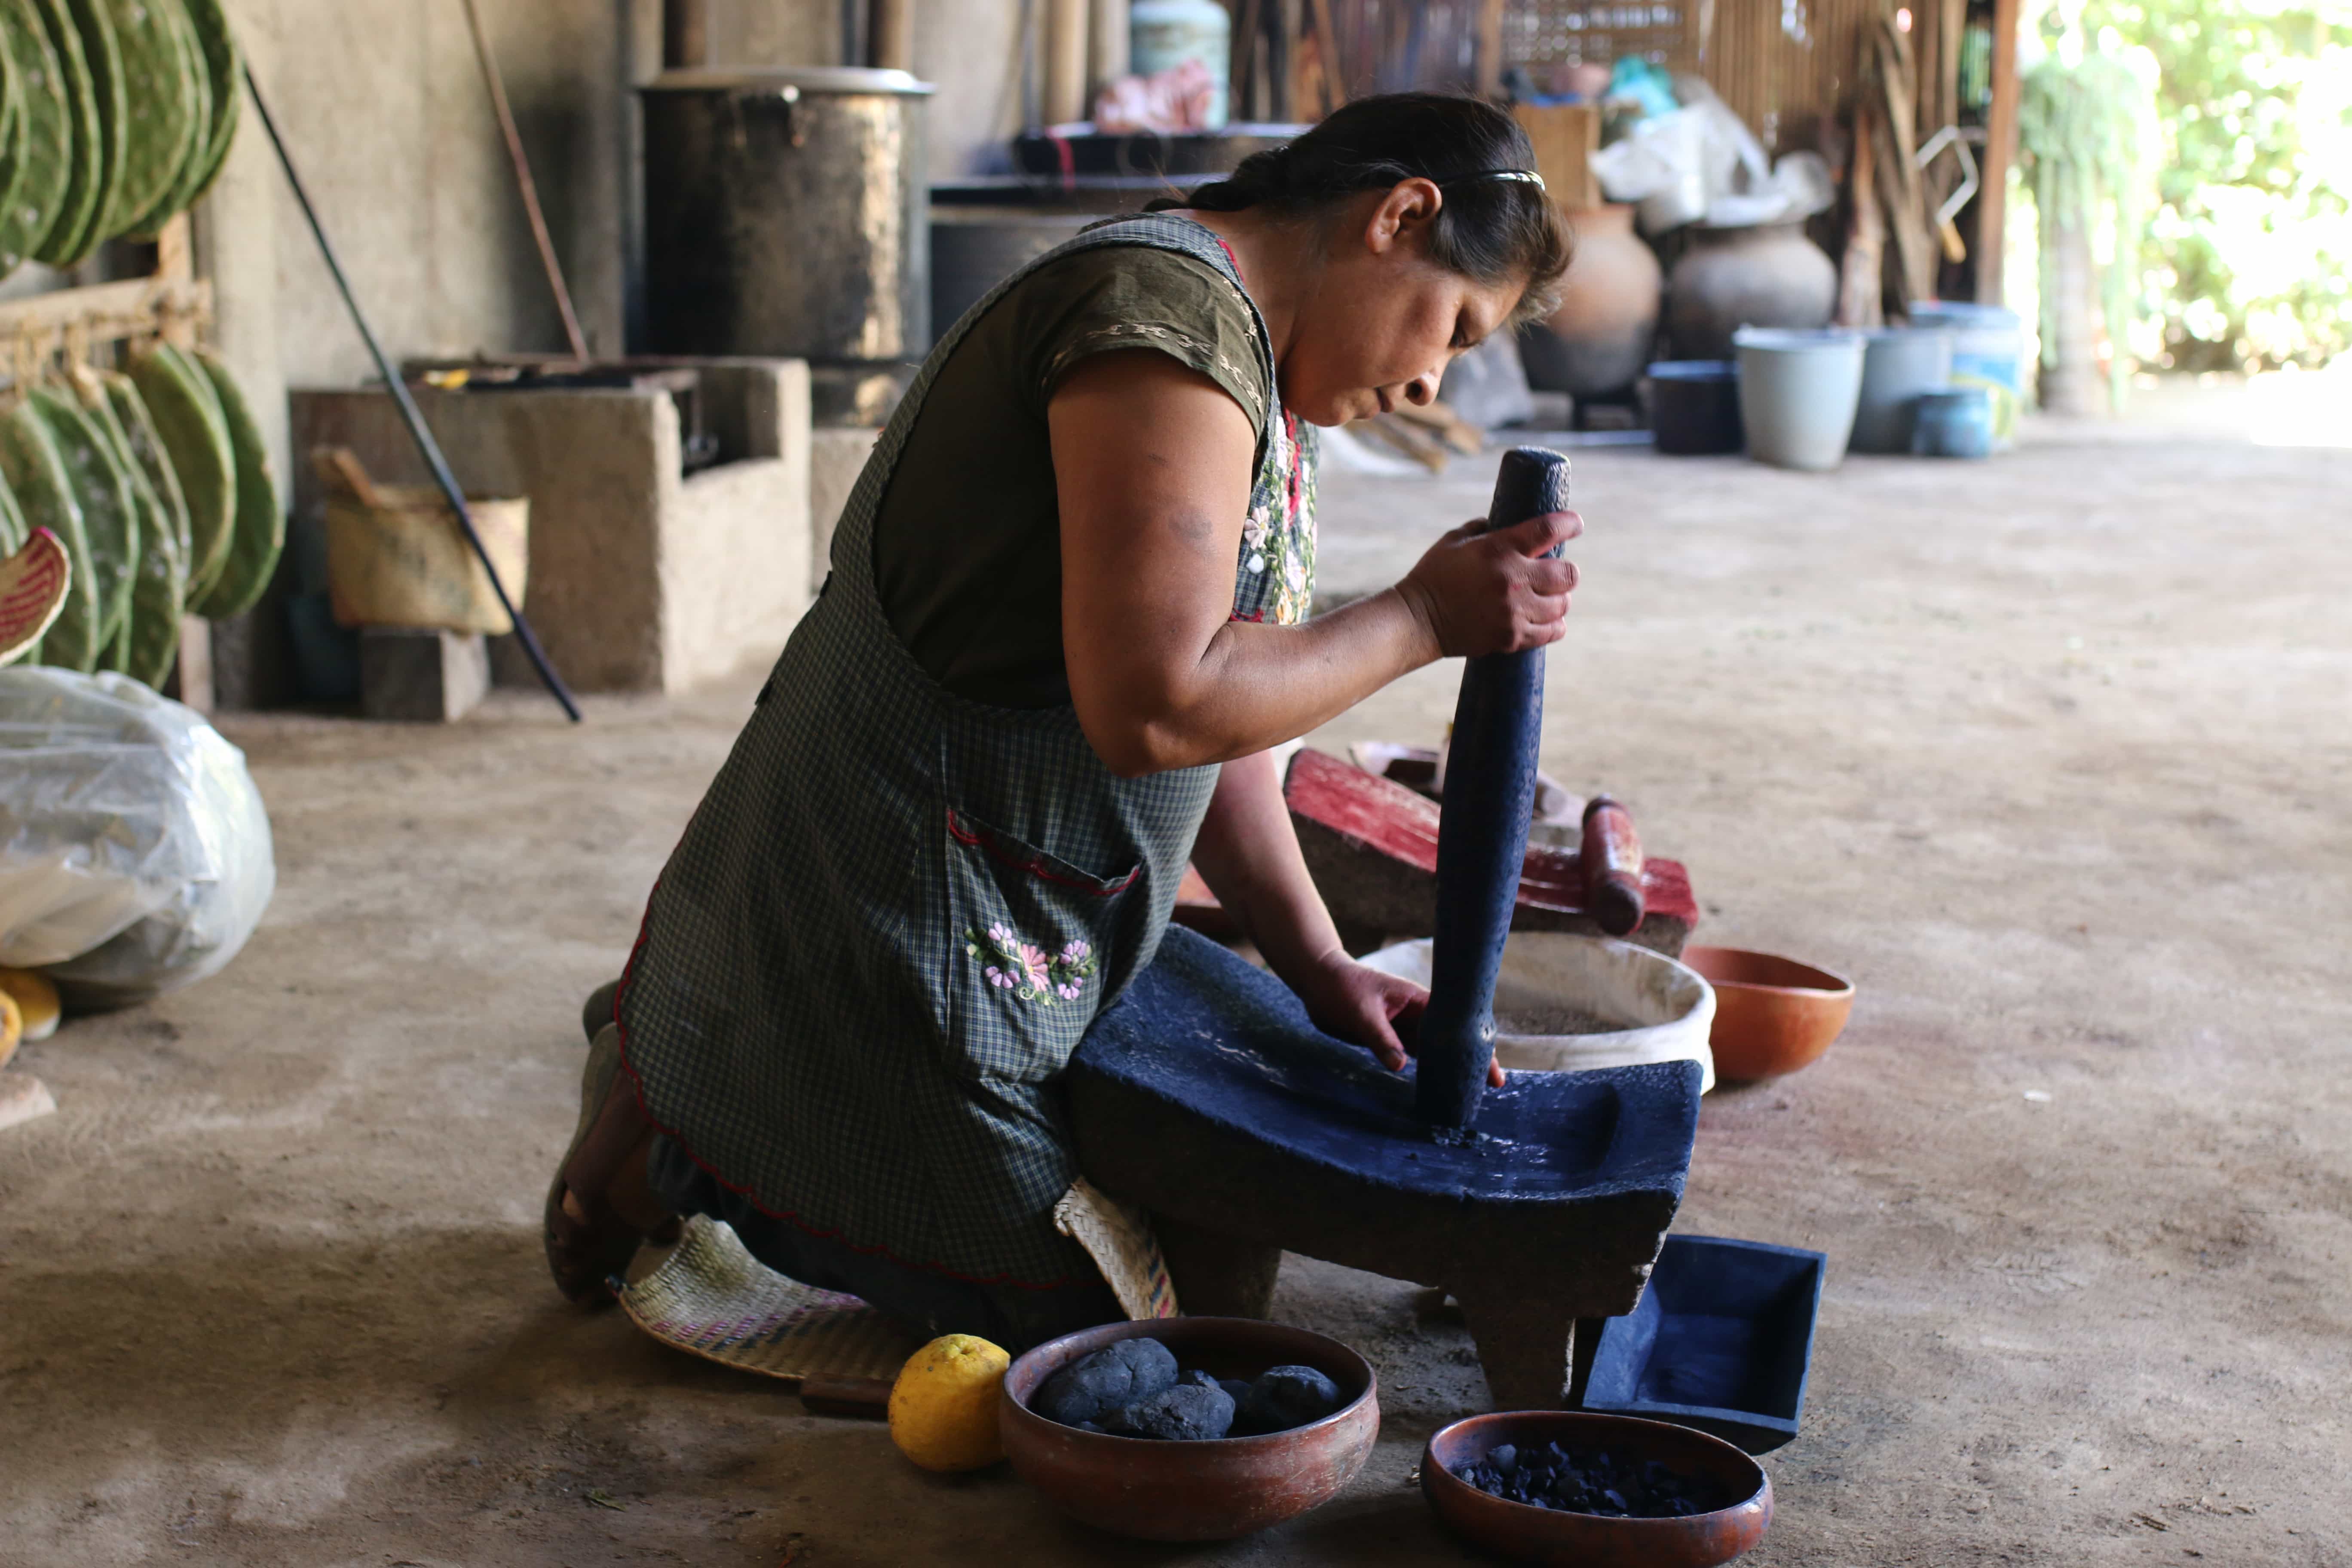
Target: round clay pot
1768, 275
1600, 338
1772, 1014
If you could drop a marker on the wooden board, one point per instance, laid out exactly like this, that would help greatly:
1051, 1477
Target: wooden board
1565, 136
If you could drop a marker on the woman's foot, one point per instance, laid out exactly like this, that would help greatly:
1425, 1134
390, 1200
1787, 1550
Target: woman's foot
600, 1208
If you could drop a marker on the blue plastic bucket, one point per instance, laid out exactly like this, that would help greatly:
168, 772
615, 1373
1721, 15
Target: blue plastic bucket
1988, 350
1953, 424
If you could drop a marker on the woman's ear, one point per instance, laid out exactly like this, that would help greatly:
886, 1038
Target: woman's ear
1410, 205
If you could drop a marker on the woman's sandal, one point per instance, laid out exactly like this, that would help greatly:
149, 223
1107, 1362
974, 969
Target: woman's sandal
591, 1239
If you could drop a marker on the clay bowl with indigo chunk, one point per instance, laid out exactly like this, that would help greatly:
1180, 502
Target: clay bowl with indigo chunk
1528, 1534
1211, 1490
1772, 1014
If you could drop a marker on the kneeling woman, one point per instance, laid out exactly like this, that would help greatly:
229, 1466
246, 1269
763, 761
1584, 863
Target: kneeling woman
1066, 618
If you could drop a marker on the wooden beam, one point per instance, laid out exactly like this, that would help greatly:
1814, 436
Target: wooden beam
104, 312
1490, 48
1999, 153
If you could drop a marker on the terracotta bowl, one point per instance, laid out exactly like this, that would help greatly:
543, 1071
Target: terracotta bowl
1772, 1014
1532, 1534
1193, 1491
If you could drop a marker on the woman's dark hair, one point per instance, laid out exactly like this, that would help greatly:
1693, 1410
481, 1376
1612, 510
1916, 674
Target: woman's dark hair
1492, 230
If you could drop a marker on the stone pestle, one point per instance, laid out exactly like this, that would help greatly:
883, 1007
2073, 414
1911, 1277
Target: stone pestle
1482, 836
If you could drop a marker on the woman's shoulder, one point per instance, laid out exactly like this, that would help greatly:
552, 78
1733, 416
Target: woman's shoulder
1112, 296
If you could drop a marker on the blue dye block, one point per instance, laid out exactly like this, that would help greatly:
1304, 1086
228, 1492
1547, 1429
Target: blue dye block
1721, 1341
1205, 1095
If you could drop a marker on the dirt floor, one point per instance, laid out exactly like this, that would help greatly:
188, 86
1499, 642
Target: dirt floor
2050, 755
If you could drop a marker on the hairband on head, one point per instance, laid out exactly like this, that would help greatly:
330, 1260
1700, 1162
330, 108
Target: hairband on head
1523, 177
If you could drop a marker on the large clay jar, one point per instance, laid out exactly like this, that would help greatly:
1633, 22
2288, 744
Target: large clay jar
1768, 275
1600, 339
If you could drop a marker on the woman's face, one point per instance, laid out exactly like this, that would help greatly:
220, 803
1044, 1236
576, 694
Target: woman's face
1382, 320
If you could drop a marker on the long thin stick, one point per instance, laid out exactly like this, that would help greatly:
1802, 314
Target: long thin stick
497, 84
425, 444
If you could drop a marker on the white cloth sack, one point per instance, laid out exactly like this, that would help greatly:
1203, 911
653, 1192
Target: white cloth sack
1667, 1008
135, 855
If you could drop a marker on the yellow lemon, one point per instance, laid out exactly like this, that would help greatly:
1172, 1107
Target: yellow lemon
12, 1028
943, 1406
35, 999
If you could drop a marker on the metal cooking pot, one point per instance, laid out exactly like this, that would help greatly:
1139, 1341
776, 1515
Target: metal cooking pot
785, 214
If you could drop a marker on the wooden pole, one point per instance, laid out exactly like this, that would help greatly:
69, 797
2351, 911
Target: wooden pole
1999, 154
1490, 48
685, 35
525, 185
1065, 60
1107, 43
894, 34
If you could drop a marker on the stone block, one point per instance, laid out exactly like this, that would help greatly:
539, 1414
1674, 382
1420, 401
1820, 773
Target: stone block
643, 578
1206, 1096
837, 455
421, 674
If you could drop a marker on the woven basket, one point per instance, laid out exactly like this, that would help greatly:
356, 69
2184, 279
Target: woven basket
405, 562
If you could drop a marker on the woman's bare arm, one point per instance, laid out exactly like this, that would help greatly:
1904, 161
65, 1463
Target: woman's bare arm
1153, 466
1248, 853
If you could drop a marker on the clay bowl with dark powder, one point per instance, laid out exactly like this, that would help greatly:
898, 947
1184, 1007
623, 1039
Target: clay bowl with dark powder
1530, 1534
1772, 1014
1208, 1490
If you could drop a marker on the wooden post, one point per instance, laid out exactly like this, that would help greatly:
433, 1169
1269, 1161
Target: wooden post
1065, 60
191, 680
2000, 154
894, 34
685, 35
1107, 46
1490, 48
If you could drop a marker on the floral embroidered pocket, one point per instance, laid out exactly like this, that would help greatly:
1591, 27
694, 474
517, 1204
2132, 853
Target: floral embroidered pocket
1031, 932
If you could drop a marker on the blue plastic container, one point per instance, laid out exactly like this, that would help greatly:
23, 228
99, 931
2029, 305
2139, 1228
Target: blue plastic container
1722, 1340
1956, 423
1694, 408
1988, 350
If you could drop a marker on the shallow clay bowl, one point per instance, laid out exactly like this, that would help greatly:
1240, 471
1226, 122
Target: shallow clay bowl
1193, 1491
1532, 1534
1772, 1014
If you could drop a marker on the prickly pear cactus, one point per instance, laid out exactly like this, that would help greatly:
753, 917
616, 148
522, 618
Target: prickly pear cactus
187, 418
259, 533
110, 516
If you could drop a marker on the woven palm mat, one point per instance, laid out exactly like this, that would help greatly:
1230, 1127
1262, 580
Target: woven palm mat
711, 1298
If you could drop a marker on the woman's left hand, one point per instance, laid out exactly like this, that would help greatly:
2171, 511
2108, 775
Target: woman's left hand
1353, 1002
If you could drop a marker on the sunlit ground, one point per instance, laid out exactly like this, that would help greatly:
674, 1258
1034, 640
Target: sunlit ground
2282, 408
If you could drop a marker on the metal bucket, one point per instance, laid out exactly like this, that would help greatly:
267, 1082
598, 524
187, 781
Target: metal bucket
786, 215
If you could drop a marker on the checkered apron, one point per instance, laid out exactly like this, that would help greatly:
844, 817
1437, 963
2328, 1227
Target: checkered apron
896, 910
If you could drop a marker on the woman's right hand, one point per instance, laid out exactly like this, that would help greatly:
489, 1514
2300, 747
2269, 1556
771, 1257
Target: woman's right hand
1478, 593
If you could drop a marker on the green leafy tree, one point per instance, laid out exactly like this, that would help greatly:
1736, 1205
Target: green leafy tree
2247, 251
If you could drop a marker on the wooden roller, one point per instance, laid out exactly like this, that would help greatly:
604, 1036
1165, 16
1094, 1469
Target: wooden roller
1611, 862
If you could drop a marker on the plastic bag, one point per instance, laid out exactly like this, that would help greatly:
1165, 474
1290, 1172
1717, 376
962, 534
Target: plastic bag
135, 855
1702, 161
